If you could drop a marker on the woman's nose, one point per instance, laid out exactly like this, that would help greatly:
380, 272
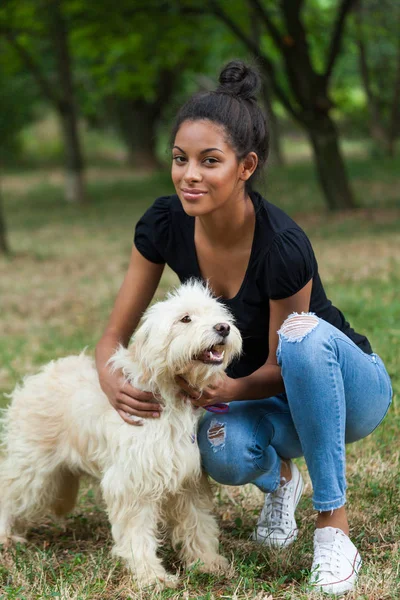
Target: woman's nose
192, 172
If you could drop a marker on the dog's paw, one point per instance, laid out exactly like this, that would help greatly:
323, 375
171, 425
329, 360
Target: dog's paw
8, 540
160, 582
212, 564
170, 580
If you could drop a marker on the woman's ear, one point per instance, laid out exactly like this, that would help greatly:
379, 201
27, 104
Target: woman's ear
248, 165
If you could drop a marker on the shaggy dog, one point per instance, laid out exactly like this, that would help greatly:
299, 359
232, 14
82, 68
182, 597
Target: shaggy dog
60, 425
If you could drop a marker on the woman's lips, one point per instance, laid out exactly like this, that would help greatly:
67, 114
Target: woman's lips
192, 194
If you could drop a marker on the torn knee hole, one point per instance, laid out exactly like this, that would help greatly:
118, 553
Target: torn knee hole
298, 326
216, 433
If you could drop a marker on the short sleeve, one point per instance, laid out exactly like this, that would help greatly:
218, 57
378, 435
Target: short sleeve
152, 231
290, 264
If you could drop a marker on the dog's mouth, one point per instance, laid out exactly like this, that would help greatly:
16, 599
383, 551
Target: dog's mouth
214, 355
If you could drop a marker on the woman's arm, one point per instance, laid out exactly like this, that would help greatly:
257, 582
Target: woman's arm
134, 296
267, 380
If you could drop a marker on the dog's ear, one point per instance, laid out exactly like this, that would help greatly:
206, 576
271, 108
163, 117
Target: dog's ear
148, 350
145, 350
138, 347
139, 340
133, 361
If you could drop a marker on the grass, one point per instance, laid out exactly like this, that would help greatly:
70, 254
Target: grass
56, 293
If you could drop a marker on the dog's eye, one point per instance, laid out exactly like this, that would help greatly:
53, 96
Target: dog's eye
186, 319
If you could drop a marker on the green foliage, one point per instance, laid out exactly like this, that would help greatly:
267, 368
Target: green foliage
125, 55
380, 27
17, 104
377, 24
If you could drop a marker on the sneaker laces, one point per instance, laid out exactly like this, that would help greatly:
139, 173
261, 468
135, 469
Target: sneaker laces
275, 509
328, 555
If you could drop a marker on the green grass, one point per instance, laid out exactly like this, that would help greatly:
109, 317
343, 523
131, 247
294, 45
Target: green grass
56, 293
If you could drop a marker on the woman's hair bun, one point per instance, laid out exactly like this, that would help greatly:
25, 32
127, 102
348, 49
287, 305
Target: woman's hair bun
239, 79
233, 106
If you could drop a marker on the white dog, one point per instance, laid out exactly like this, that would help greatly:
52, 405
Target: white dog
60, 425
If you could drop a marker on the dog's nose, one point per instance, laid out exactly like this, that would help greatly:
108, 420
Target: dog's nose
222, 328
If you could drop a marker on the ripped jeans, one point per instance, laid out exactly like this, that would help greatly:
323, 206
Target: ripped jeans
335, 394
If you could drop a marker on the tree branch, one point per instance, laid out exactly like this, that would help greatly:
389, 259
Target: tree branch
256, 51
363, 59
32, 66
337, 36
395, 112
4, 245
273, 30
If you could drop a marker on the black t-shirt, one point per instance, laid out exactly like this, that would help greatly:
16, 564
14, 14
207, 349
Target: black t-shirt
282, 261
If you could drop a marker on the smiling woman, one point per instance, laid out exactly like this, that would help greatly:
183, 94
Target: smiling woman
206, 178
288, 395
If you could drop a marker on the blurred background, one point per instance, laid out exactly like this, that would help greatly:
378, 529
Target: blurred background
88, 93
89, 85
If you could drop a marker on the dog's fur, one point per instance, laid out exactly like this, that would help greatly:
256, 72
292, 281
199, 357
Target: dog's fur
60, 425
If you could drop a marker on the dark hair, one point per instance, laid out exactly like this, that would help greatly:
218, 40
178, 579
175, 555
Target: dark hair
234, 106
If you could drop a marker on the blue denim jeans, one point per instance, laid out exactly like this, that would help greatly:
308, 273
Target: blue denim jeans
335, 394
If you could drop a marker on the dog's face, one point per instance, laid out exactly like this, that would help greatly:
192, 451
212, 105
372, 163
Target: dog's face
188, 334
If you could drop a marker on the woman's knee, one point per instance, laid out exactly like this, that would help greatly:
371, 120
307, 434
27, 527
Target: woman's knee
231, 453
302, 336
212, 444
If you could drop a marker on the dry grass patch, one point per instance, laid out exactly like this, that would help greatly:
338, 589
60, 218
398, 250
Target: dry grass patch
75, 562
56, 295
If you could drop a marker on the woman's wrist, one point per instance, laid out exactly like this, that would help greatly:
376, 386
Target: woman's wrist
239, 389
263, 383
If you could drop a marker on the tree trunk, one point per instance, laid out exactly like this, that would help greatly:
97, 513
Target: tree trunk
137, 122
74, 188
309, 101
74, 176
330, 166
4, 247
61, 96
383, 131
375, 121
394, 125
276, 153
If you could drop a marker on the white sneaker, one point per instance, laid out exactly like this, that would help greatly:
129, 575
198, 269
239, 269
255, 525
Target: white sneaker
276, 525
336, 561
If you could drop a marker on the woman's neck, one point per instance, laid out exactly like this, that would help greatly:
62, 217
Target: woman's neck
230, 224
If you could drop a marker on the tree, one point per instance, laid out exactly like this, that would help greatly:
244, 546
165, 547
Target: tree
143, 59
4, 245
300, 80
127, 75
276, 152
38, 33
17, 101
378, 40
309, 102
136, 62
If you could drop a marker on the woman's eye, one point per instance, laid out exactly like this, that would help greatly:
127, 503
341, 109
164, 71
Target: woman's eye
186, 319
179, 159
210, 161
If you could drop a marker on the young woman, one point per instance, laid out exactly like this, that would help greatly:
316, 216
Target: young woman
306, 383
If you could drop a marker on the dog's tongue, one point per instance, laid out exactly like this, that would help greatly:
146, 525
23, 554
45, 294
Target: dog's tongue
211, 356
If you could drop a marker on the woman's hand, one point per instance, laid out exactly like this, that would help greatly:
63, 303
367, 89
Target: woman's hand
226, 390
126, 399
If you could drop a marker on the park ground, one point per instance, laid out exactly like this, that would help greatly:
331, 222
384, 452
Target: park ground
56, 291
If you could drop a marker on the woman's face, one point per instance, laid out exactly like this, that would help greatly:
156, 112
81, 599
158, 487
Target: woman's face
205, 170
